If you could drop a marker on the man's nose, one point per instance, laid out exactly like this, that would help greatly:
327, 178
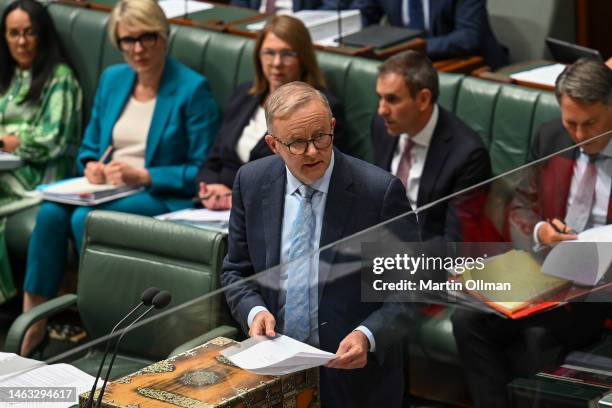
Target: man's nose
383, 110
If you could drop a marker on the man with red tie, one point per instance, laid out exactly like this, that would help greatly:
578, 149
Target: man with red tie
428, 148
567, 193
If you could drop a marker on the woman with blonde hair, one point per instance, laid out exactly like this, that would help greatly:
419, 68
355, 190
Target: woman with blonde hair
157, 116
283, 53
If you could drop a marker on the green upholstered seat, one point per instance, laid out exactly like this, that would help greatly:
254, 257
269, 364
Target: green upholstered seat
124, 254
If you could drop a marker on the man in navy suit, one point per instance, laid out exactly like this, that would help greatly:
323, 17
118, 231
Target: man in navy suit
454, 28
295, 5
306, 196
431, 151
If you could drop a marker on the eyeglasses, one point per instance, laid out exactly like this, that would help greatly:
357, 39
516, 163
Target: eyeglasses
321, 141
27, 34
146, 41
269, 55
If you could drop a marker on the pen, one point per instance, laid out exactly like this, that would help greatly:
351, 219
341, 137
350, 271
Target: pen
107, 152
564, 230
197, 199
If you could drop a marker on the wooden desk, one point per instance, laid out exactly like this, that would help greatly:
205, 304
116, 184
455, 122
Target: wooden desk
503, 75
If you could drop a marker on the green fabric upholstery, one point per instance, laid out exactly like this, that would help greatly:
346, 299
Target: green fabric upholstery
449, 89
19, 227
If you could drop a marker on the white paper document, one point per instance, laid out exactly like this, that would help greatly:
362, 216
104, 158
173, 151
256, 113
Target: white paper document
546, 75
79, 191
276, 356
180, 8
584, 260
323, 24
37, 374
200, 217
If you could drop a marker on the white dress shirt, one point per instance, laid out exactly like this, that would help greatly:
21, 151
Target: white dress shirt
251, 134
603, 186
292, 204
418, 155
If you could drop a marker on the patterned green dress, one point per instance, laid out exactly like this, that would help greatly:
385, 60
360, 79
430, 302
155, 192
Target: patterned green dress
48, 132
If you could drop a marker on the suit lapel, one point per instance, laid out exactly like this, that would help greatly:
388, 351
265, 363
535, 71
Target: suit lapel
273, 201
439, 148
244, 117
163, 108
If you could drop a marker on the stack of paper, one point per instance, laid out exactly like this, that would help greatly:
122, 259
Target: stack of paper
16, 371
276, 356
546, 75
182, 8
200, 217
79, 191
323, 24
9, 161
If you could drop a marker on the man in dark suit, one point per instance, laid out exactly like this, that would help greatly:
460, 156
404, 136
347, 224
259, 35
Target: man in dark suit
431, 150
549, 203
284, 208
453, 28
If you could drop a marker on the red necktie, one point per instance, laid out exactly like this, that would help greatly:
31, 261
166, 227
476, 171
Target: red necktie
403, 169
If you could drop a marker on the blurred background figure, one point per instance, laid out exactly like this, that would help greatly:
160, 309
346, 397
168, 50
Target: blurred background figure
159, 117
40, 112
283, 53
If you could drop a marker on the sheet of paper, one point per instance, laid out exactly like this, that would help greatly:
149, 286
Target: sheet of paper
196, 215
546, 75
179, 8
278, 356
11, 363
56, 375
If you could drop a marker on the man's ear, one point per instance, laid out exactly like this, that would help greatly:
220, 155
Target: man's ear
271, 142
424, 99
333, 124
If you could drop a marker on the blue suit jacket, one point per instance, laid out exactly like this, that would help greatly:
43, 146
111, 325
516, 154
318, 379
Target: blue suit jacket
184, 124
456, 27
360, 195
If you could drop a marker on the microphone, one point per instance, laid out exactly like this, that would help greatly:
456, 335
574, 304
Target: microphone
161, 300
145, 299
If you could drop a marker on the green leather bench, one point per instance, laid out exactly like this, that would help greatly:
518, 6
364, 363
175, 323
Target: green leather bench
505, 116
122, 255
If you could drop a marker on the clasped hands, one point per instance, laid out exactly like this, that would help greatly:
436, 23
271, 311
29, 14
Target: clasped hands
352, 351
215, 196
117, 173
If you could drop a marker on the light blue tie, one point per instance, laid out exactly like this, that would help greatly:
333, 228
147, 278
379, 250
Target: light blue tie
297, 305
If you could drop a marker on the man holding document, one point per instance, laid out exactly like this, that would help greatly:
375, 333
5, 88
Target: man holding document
287, 206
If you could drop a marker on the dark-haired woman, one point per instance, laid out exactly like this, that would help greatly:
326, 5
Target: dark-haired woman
40, 112
283, 53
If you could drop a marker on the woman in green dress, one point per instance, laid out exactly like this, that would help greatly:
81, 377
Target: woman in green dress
40, 113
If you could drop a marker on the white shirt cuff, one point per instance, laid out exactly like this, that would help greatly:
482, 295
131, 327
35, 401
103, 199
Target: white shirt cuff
370, 337
252, 314
536, 238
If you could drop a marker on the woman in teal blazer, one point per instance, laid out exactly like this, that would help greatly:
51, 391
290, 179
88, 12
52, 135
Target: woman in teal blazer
159, 117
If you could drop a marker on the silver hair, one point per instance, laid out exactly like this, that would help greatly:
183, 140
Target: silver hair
288, 98
588, 80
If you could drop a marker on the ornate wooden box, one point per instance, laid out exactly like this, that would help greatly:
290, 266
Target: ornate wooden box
203, 378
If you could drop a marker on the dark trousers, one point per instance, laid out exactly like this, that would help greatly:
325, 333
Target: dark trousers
494, 350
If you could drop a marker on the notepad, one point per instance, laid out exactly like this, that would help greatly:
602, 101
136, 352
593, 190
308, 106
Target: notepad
79, 191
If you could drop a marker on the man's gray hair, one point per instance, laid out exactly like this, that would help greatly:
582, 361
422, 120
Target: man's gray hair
588, 80
288, 98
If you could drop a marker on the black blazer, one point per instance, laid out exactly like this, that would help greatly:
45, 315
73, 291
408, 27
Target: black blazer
456, 159
222, 162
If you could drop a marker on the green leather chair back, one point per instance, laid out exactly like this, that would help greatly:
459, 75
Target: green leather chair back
124, 254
